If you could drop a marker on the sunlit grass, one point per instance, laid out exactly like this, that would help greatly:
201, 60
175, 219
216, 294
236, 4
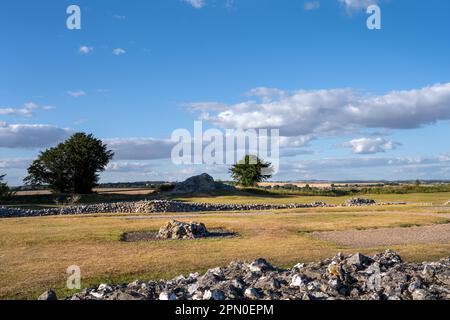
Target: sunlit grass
35, 252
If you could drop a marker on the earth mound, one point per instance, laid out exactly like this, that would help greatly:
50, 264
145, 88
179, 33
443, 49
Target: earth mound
203, 183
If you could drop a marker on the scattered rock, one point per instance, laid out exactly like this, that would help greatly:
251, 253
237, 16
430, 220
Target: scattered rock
48, 295
177, 230
356, 277
260, 265
357, 202
167, 296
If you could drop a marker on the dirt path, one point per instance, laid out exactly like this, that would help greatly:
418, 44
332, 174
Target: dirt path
388, 236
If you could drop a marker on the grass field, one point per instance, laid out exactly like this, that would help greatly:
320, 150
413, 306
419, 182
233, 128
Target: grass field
35, 252
419, 198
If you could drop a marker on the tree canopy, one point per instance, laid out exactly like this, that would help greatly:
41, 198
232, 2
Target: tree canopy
250, 171
71, 167
5, 192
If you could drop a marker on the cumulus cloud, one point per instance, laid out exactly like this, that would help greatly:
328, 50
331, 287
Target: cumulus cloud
312, 113
76, 94
140, 148
30, 136
119, 51
85, 49
311, 5
27, 110
371, 145
197, 4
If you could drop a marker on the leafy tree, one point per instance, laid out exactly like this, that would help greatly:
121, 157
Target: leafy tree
72, 166
251, 170
5, 192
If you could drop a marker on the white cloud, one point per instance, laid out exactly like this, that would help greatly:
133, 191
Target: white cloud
27, 110
119, 51
311, 5
371, 145
140, 148
30, 136
8, 164
313, 113
86, 49
120, 17
76, 94
197, 4
357, 4
130, 166
205, 106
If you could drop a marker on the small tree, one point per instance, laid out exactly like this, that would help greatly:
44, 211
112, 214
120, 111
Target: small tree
251, 170
5, 192
72, 166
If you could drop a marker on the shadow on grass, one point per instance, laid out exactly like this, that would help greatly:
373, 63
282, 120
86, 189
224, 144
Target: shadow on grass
137, 236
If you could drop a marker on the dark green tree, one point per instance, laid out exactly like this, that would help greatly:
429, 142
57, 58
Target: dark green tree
5, 192
251, 170
72, 166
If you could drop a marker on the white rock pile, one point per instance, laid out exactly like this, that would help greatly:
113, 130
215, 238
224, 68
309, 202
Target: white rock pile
356, 277
177, 230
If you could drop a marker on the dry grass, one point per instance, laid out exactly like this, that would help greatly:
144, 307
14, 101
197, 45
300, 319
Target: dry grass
35, 252
419, 198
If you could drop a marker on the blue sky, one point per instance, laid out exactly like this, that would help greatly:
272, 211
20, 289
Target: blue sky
352, 103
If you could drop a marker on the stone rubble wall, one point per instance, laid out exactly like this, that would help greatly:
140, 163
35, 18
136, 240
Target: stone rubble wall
384, 276
154, 206
164, 206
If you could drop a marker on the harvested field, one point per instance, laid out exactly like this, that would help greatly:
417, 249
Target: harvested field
404, 235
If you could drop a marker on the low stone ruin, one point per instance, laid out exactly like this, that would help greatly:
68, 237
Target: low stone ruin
203, 183
358, 202
177, 230
153, 206
383, 276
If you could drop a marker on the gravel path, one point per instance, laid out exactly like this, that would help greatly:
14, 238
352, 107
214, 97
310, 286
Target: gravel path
387, 236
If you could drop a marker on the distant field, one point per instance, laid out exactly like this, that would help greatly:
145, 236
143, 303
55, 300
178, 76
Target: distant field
320, 185
35, 252
419, 198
